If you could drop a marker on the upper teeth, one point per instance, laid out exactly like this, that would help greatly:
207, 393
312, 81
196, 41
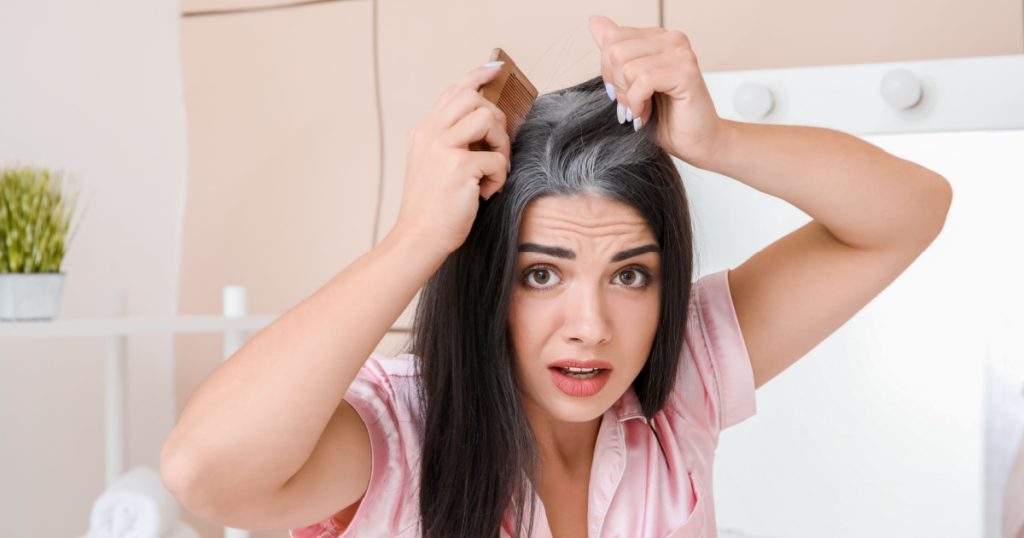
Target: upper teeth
581, 370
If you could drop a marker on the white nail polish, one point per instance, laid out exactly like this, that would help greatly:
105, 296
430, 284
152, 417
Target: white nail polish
495, 63
629, 114
610, 89
620, 112
637, 124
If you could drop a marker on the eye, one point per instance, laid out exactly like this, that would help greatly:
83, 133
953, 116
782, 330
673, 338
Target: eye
540, 277
630, 275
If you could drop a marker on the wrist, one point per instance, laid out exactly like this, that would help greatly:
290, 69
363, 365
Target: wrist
718, 148
414, 248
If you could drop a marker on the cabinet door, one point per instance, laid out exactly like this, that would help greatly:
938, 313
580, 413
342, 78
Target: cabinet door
283, 157
747, 34
282, 152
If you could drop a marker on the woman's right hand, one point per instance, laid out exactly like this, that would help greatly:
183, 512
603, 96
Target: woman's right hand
444, 179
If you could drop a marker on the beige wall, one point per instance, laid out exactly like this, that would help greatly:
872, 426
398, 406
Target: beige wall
93, 88
292, 138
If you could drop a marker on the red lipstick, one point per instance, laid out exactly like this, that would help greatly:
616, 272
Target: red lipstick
580, 384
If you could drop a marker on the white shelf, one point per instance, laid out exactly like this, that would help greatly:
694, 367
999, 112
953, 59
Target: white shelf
114, 326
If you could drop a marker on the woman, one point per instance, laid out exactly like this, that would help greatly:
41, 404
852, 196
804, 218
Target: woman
558, 383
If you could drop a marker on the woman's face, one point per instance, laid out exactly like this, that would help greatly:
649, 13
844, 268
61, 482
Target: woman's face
587, 288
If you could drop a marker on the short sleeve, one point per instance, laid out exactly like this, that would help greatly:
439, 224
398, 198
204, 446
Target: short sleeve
383, 394
715, 382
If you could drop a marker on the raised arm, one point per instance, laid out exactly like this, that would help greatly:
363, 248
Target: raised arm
267, 442
873, 215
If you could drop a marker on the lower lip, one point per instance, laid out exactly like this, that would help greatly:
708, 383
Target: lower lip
580, 388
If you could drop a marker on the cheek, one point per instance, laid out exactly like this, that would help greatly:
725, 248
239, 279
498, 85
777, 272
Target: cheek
638, 325
526, 326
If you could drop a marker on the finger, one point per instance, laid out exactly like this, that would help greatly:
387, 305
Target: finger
463, 103
618, 54
654, 74
481, 124
605, 31
492, 166
469, 101
473, 80
599, 26
491, 170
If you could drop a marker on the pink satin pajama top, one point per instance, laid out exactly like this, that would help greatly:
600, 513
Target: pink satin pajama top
632, 491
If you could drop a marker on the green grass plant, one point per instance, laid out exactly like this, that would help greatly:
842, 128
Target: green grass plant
35, 213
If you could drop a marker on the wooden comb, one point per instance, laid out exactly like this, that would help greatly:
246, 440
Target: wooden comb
513, 94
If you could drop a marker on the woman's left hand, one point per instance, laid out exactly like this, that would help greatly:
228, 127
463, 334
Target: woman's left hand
654, 63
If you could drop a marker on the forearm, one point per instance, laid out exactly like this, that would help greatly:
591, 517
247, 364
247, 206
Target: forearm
866, 197
255, 421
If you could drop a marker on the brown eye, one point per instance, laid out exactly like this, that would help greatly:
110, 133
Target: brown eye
630, 276
540, 278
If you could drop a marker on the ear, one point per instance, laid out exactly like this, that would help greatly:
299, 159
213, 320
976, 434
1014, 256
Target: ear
599, 25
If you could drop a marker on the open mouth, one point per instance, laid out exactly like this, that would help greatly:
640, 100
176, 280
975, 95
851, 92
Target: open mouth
579, 382
581, 373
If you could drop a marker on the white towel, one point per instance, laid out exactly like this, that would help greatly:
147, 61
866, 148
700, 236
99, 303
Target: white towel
136, 505
181, 530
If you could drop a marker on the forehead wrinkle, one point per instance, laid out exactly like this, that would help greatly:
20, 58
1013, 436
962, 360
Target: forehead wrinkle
615, 227
575, 222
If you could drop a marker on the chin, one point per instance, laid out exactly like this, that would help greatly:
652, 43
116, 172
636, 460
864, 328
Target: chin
579, 412
570, 409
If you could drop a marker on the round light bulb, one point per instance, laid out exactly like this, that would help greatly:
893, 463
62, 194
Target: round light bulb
901, 89
753, 100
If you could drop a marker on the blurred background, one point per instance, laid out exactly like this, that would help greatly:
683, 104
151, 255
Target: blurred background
261, 143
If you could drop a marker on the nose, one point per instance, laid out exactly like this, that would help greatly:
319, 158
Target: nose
586, 316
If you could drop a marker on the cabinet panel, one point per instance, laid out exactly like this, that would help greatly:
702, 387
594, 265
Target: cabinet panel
282, 142
747, 34
283, 167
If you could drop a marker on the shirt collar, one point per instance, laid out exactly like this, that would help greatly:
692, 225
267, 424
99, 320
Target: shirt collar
628, 407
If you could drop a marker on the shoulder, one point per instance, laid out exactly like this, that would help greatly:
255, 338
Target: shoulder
715, 381
387, 388
384, 394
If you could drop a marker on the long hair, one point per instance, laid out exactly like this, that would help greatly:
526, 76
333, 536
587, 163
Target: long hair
479, 456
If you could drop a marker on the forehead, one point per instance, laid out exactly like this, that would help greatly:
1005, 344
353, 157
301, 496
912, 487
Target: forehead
586, 215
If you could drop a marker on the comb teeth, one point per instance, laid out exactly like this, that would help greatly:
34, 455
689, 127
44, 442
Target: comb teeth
515, 101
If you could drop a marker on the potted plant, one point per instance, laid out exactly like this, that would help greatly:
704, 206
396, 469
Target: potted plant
34, 218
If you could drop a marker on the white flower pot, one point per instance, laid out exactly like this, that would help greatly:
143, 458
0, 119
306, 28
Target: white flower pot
30, 296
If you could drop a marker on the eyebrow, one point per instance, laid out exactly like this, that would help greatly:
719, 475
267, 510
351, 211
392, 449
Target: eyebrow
560, 252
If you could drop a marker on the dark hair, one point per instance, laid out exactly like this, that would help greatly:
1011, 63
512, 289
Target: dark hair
479, 451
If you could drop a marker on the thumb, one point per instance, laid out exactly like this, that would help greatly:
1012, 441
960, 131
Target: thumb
599, 25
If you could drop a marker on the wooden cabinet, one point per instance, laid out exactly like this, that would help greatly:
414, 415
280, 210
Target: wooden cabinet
731, 35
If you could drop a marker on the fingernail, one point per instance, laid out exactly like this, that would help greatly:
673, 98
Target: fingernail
620, 112
637, 124
610, 90
629, 114
495, 63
